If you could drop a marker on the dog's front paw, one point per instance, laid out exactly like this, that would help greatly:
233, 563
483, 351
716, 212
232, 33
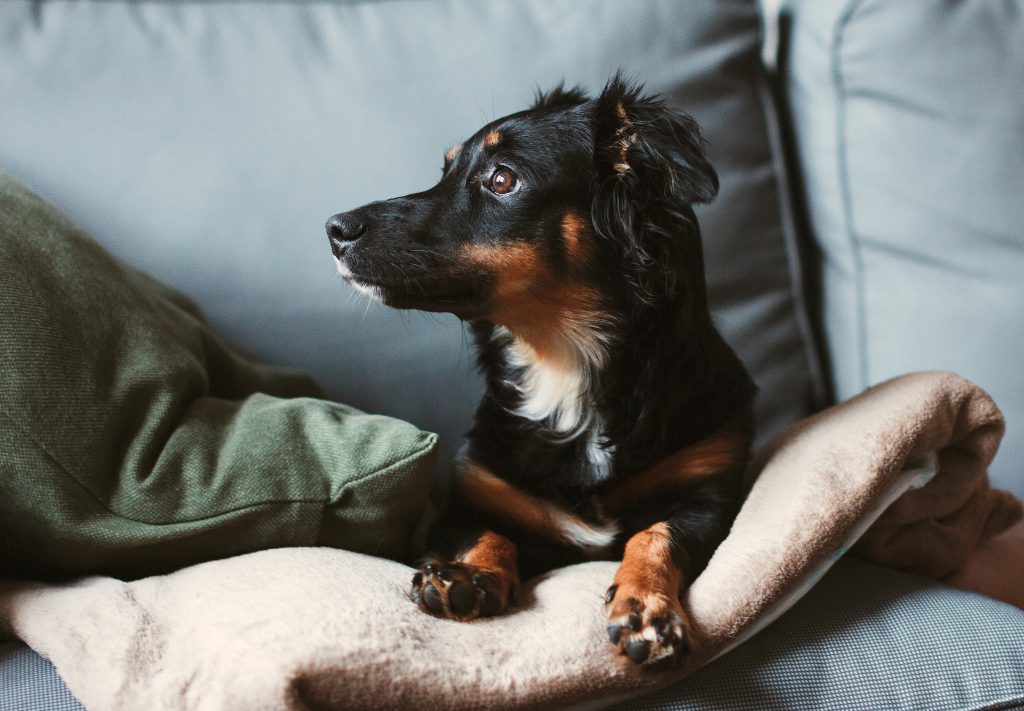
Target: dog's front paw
459, 591
647, 627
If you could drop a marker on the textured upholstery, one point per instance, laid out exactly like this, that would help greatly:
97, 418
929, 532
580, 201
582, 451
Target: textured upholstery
30, 683
909, 123
867, 638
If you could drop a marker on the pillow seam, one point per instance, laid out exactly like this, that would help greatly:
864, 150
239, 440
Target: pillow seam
384, 468
106, 507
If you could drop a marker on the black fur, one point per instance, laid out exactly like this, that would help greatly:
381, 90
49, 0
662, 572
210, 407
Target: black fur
632, 168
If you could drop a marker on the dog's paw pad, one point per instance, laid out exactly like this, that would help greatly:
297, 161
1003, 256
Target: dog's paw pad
460, 592
647, 628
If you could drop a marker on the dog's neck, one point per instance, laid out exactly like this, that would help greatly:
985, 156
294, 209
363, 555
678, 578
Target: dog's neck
623, 395
565, 370
554, 370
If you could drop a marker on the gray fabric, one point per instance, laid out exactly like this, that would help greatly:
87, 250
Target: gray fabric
909, 124
207, 143
30, 683
867, 638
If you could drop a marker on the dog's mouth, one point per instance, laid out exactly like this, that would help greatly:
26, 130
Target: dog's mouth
420, 294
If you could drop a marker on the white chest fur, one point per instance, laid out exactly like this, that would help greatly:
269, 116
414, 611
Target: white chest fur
553, 390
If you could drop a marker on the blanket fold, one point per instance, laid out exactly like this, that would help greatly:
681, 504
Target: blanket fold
931, 531
314, 628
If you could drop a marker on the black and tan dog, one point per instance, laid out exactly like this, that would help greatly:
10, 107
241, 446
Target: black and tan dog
616, 422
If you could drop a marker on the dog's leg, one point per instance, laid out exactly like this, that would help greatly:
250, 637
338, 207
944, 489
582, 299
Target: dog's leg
480, 581
682, 508
646, 621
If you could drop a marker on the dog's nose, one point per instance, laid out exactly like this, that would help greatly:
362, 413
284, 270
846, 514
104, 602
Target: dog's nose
342, 229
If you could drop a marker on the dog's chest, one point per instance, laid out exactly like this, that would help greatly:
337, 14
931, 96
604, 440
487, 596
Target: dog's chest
554, 394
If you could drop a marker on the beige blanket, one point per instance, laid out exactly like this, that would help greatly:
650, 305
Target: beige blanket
327, 629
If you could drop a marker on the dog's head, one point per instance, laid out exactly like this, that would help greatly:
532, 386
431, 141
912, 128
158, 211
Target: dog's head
572, 209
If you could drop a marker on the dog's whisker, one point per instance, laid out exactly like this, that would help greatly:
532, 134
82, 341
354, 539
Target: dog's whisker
419, 262
425, 250
483, 114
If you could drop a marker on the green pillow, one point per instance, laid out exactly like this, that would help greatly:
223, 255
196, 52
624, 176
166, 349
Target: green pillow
133, 442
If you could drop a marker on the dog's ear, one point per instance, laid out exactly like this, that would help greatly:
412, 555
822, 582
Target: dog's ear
641, 134
650, 168
558, 96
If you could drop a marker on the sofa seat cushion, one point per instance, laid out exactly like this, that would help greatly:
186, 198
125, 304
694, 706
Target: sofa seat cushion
133, 442
29, 682
867, 638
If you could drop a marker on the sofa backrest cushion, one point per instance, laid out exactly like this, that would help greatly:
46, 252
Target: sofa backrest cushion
909, 124
207, 143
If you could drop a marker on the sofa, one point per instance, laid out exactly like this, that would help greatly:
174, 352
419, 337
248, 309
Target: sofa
867, 225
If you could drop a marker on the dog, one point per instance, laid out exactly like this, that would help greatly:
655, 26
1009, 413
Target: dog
616, 422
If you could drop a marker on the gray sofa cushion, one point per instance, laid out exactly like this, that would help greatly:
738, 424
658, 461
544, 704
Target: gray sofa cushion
864, 638
868, 638
909, 123
207, 143
30, 683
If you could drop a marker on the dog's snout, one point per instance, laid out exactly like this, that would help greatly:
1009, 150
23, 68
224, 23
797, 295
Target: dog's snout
344, 228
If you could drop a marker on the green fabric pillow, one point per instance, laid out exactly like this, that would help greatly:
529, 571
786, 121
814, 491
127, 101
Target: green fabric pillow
133, 442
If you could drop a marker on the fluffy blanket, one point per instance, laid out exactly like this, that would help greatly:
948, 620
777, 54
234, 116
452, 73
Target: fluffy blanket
313, 628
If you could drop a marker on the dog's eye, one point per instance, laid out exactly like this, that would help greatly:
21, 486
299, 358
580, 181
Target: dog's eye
502, 181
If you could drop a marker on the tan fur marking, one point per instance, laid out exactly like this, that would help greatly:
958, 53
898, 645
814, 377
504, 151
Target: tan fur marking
492, 139
648, 568
574, 232
499, 498
492, 553
486, 571
647, 623
724, 452
531, 302
558, 328
620, 111
452, 152
625, 134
